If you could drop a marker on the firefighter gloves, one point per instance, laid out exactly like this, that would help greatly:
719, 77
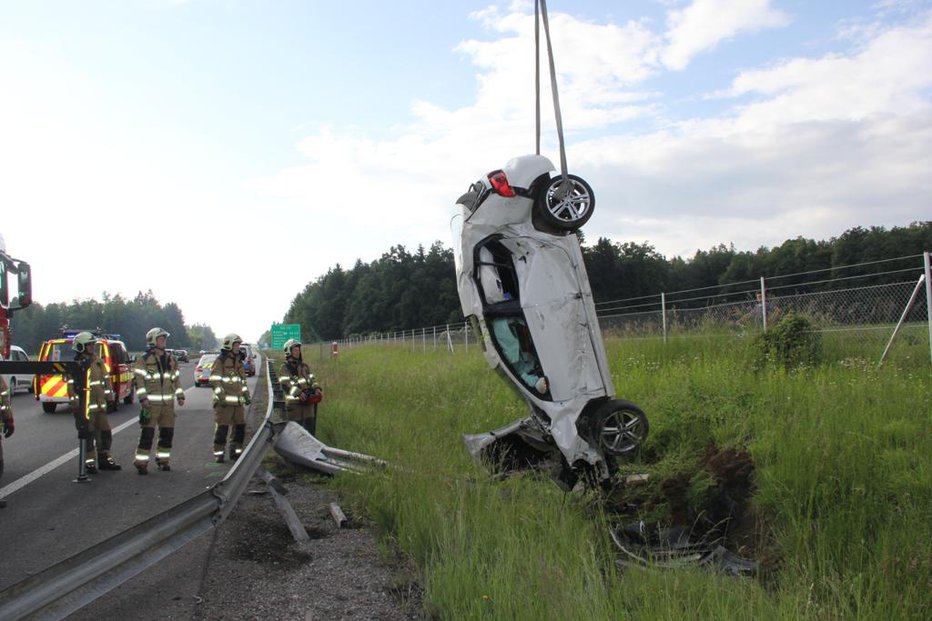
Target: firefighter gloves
8, 428
144, 416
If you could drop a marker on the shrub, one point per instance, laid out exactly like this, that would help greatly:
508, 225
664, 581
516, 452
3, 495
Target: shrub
790, 343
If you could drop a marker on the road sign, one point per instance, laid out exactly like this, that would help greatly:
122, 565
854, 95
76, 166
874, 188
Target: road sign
281, 332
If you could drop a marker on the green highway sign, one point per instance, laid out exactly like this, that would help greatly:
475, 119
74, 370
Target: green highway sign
281, 332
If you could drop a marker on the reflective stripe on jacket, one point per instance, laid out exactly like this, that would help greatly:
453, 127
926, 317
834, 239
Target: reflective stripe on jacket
97, 385
228, 379
158, 378
295, 377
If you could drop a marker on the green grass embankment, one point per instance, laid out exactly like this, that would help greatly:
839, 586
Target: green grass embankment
841, 510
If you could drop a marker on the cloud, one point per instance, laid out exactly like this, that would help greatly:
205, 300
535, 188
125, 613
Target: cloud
803, 146
703, 24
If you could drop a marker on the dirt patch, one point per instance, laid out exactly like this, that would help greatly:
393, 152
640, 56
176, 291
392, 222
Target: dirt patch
708, 501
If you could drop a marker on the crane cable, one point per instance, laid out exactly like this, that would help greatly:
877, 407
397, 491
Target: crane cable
540, 15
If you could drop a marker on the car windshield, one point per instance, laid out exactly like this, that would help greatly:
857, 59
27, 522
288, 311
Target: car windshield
60, 352
206, 360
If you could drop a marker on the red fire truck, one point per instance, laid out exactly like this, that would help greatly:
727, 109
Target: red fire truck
10, 267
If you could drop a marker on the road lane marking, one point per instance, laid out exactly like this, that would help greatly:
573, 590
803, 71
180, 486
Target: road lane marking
26, 479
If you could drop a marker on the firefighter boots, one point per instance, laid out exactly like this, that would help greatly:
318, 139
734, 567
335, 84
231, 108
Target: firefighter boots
142, 468
105, 462
163, 466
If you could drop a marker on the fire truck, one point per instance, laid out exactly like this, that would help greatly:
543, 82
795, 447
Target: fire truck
23, 280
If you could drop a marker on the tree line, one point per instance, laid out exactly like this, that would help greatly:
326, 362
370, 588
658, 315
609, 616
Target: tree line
403, 290
114, 314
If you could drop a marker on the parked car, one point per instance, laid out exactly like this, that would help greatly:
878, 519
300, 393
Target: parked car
202, 369
19, 381
249, 365
51, 390
523, 285
182, 355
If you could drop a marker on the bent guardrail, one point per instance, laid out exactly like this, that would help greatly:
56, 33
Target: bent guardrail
71, 584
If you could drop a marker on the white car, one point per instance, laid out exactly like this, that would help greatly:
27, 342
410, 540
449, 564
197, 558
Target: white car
523, 285
20, 381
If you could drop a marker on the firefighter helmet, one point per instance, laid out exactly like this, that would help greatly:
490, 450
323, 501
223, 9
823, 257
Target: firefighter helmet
83, 340
229, 340
153, 335
289, 344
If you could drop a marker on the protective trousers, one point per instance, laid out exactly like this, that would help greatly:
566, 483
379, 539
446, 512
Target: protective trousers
304, 414
100, 439
224, 418
161, 415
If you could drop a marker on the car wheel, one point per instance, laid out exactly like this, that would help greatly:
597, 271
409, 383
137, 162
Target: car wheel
48, 407
112, 406
128, 399
619, 427
565, 208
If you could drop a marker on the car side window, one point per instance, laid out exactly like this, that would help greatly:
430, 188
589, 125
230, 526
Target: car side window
513, 341
495, 273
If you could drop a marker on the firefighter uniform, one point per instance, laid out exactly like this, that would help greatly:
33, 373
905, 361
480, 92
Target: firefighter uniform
158, 381
6, 422
98, 391
231, 394
302, 392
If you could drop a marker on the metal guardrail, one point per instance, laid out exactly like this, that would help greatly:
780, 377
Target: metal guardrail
71, 584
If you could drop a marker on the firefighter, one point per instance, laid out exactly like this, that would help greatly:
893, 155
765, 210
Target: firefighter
302, 392
99, 392
228, 379
158, 384
6, 423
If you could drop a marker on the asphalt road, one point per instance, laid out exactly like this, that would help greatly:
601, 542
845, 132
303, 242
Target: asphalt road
49, 517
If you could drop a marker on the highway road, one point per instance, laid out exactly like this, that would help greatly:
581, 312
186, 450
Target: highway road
50, 517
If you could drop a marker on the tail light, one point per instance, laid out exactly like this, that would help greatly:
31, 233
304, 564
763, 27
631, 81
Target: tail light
500, 184
198, 370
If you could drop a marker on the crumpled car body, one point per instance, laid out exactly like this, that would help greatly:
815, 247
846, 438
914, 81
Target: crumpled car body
523, 285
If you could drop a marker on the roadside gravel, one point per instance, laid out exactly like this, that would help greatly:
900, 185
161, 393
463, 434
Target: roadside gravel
256, 570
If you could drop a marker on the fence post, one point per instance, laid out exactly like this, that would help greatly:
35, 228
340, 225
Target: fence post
466, 334
927, 270
663, 314
435, 337
763, 303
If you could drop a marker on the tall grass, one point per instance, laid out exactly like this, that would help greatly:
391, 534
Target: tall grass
844, 484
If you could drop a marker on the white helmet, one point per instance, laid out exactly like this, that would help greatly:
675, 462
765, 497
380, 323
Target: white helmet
153, 334
83, 340
230, 339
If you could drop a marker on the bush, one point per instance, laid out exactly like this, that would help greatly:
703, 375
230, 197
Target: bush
790, 343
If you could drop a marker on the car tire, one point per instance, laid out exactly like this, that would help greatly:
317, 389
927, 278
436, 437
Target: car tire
128, 399
570, 212
112, 406
48, 407
619, 427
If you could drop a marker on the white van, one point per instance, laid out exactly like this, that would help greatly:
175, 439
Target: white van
19, 381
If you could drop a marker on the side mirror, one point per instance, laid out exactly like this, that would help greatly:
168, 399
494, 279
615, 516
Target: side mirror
24, 284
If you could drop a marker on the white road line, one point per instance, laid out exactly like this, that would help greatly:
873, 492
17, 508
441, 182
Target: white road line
25, 480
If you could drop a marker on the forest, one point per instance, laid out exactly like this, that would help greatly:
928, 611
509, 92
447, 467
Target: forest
113, 314
403, 290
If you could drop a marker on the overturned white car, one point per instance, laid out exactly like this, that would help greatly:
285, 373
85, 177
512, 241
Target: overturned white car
523, 285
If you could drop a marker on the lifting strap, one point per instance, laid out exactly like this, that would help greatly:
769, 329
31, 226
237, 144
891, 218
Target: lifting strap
540, 15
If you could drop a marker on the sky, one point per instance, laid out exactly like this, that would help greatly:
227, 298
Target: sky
225, 153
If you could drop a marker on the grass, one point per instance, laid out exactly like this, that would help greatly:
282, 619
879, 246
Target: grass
843, 483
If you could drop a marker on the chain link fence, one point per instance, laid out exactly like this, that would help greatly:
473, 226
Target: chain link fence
858, 307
